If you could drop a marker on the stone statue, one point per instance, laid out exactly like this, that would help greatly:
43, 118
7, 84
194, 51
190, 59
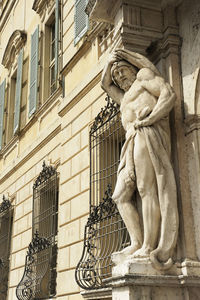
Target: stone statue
145, 100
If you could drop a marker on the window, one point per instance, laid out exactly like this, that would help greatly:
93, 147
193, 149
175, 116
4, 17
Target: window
2, 113
39, 279
11, 95
34, 63
18, 91
105, 231
81, 21
13, 106
6, 213
14, 101
53, 55
50, 53
52, 59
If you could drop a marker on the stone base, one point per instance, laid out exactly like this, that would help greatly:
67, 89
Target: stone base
190, 268
154, 287
136, 279
142, 266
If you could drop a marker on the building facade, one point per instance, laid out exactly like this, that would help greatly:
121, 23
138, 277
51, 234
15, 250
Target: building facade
61, 137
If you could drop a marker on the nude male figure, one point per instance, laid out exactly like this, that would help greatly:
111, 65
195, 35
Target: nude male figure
145, 101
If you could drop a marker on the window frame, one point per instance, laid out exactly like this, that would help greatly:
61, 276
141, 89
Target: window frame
52, 18
13, 60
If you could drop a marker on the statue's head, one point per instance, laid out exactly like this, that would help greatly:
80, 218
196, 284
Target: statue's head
123, 74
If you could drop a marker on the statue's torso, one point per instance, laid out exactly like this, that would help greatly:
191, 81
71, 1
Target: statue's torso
134, 102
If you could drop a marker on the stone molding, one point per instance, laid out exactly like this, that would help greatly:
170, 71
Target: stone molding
43, 6
101, 10
15, 43
152, 280
104, 293
192, 123
132, 286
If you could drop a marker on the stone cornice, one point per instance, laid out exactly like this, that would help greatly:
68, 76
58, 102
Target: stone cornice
15, 43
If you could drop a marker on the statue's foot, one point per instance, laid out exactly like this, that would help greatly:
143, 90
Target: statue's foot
120, 256
142, 252
129, 250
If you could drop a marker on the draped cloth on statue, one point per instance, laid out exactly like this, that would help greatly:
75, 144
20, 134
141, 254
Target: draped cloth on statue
157, 142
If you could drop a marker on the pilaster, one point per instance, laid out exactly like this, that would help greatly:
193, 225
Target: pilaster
170, 51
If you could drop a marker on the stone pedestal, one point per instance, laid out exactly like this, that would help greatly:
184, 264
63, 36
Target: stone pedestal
138, 280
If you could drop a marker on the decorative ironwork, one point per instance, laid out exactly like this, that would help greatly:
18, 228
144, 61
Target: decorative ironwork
6, 213
39, 251
45, 174
5, 204
105, 209
106, 113
39, 278
37, 244
105, 231
4, 270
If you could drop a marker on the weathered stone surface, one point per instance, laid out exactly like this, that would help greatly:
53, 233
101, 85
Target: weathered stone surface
145, 101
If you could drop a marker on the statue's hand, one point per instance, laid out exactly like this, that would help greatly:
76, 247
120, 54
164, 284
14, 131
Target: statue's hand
143, 113
113, 57
142, 123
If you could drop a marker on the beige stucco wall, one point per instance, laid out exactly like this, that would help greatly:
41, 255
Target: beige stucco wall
58, 134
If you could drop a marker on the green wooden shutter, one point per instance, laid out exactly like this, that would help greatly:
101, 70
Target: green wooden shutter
34, 72
80, 19
18, 91
2, 100
57, 13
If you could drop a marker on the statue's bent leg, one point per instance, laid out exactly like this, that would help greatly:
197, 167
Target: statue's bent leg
123, 197
147, 188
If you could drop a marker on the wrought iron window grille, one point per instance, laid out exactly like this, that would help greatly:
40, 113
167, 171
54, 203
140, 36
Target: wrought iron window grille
105, 232
39, 278
5, 205
6, 217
